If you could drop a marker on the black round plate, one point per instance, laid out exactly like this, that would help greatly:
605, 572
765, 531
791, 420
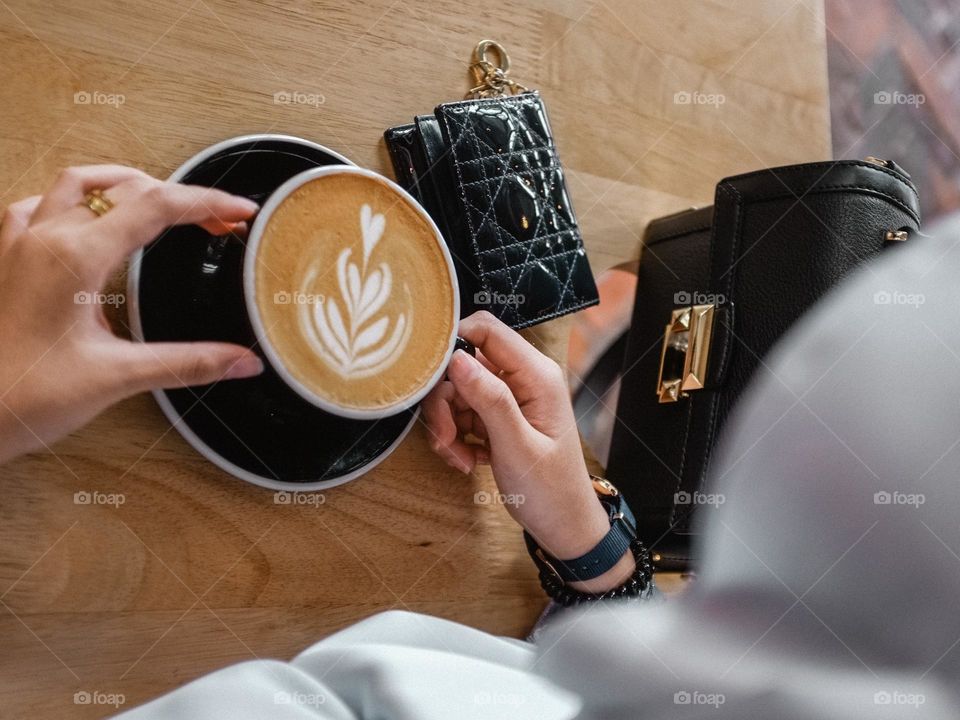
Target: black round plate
187, 285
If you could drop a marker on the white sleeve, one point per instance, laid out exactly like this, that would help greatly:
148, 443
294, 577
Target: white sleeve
394, 665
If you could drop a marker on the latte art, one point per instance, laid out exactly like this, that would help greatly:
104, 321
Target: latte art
358, 341
385, 305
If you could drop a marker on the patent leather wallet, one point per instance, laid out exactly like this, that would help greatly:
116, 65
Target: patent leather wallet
488, 173
716, 288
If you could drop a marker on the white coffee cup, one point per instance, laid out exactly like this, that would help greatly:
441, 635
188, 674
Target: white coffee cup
275, 357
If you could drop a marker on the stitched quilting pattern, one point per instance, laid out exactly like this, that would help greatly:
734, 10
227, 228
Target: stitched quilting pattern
522, 229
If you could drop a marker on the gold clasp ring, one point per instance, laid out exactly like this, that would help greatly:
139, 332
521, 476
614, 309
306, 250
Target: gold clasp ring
491, 78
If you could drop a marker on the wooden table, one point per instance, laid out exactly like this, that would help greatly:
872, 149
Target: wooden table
197, 570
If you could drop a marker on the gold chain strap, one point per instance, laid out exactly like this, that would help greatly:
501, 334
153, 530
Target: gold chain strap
491, 78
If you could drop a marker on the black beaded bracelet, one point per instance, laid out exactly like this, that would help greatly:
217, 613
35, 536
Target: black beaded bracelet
639, 585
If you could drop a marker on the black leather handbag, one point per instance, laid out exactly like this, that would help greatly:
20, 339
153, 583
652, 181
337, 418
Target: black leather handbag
716, 288
488, 173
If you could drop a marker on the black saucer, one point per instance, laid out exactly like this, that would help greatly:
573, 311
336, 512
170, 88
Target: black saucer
187, 285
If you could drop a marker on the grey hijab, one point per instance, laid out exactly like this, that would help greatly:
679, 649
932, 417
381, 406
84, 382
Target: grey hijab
830, 576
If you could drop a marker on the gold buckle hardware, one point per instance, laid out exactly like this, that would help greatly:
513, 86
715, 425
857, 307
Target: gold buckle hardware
685, 353
491, 79
890, 235
618, 517
543, 558
603, 487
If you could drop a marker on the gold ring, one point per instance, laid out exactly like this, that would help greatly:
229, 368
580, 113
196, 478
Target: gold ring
98, 202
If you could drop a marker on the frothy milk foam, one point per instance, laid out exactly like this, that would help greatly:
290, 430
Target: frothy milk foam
353, 292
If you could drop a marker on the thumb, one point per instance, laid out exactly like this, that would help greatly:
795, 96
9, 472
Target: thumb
489, 397
176, 365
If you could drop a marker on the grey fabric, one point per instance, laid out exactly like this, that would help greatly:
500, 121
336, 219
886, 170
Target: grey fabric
830, 570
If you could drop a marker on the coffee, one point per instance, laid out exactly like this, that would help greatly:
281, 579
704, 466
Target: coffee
354, 292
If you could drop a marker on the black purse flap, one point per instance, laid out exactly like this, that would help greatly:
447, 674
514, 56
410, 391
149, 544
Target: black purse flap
774, 243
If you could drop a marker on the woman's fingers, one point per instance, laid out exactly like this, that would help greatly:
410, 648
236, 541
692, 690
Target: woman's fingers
151, 366
437, 412
72, 185
443, 432
487, 364
448, 419
459, 455
469, 423
491, 399
142, 207
500, 344
528, 372
141, 213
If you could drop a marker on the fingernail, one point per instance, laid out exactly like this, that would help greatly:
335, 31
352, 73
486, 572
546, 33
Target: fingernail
250, 205
236, 229
247, 366
455, 462
462, 366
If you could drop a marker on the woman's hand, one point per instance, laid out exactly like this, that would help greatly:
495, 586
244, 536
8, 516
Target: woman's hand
60, 365
515, 400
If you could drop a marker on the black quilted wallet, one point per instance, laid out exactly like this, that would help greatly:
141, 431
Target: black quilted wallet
487, 171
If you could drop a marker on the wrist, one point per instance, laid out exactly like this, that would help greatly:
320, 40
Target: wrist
595, 555
573, 530
593, 525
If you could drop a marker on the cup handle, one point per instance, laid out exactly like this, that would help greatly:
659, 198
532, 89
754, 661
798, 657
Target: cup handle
465, 345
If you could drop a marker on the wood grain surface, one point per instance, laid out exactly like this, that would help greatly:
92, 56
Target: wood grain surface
196, 570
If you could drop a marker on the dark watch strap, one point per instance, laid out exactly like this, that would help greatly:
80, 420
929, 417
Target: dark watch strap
639, 586
606, 553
